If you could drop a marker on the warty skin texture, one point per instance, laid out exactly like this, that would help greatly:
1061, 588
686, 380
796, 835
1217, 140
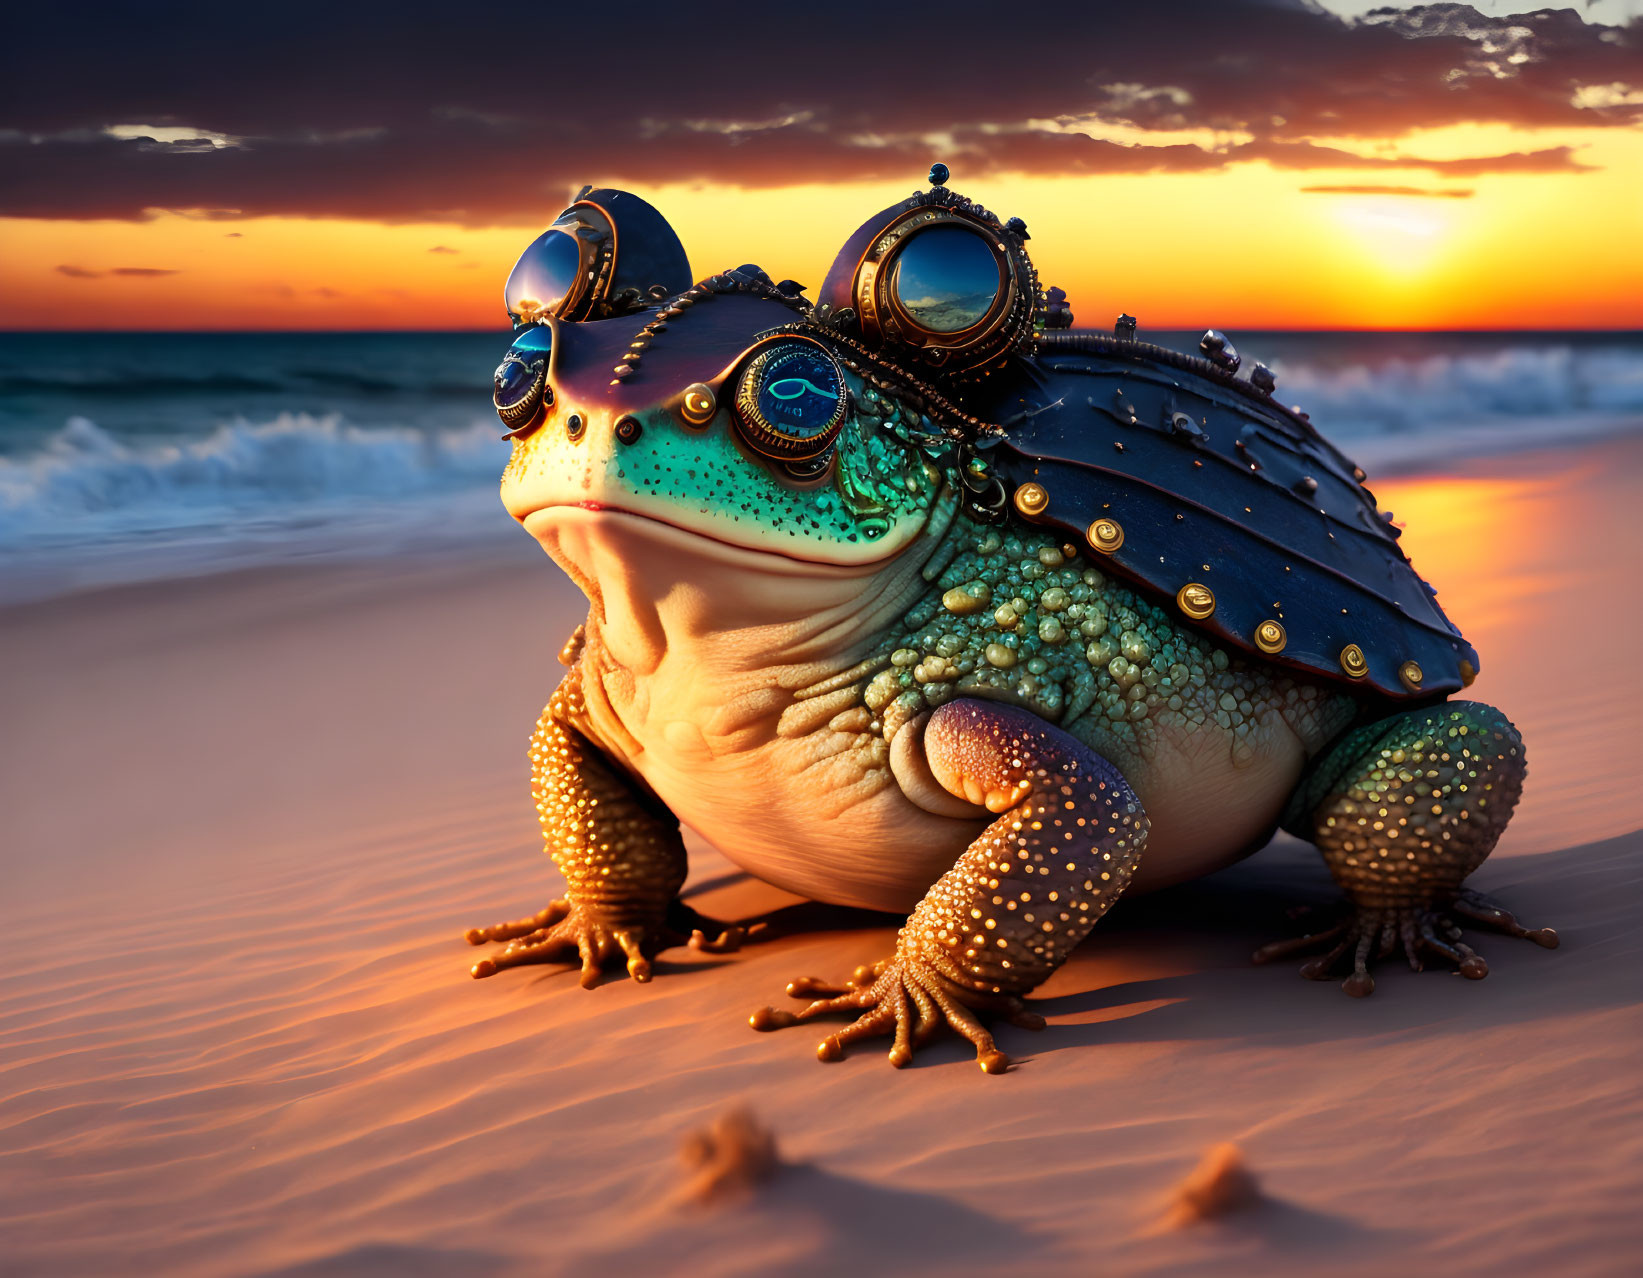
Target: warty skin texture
862, 695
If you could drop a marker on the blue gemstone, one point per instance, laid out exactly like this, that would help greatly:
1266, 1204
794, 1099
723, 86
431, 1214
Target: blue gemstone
939, 175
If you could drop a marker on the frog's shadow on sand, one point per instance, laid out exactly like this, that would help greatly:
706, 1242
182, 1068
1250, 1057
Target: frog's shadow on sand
1212, 925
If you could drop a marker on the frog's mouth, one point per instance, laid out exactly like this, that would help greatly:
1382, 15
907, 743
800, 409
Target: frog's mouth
556, 527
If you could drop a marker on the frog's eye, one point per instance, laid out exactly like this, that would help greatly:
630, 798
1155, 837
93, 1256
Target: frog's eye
791, 398
946, 279
547, 274
519, 387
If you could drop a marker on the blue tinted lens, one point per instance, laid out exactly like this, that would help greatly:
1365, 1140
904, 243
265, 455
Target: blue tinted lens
799, 392
523, 370
544, 274
513, 380
946, 279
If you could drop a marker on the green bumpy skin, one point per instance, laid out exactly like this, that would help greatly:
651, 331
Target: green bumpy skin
878, 493
1408, 807
1021, 617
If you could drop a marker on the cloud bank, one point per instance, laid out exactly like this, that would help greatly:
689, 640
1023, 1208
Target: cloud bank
488, 117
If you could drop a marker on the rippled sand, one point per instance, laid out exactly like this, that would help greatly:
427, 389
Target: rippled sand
246, 819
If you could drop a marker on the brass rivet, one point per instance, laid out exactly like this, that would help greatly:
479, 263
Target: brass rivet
1031, 499
1410, 673
1270, 637
1353, 661
699, 404
1197, 601
1468, 672
1106, 535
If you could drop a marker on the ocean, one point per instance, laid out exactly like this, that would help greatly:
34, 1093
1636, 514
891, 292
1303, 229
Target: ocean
128, 457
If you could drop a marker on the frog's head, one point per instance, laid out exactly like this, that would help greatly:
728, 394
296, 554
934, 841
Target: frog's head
716, 416
729, 416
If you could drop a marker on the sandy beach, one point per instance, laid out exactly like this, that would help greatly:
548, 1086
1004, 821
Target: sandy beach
244, 820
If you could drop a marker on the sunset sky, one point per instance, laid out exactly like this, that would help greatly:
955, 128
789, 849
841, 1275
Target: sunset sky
1251, 164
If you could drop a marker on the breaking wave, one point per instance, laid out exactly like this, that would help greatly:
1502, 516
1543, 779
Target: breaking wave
84, 472
1445, 391
90, 509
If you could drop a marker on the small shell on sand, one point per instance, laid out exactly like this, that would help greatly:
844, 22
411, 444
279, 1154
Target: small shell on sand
1220, 1184
730, 1158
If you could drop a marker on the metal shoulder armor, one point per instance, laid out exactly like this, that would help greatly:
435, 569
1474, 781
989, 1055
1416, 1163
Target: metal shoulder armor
1203, 489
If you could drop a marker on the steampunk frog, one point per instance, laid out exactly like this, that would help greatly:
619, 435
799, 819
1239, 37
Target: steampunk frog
910, 598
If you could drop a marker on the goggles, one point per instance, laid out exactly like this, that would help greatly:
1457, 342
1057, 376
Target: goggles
936, 281
934, 293
607, 254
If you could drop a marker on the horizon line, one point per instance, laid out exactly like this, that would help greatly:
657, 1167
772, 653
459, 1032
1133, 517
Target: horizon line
500, 330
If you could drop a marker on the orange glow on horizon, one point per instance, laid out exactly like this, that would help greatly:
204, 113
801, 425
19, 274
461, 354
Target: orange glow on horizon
1242, 248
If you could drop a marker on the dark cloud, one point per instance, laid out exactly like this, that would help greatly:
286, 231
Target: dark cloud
442, 248
140, 272
1307, 155
328, 110
1452, 193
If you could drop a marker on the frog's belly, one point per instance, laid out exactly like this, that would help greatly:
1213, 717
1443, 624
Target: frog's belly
824, 821
828, 829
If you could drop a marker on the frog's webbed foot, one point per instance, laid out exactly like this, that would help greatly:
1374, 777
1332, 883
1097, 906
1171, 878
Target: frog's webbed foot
1370, 935
567, 931
907, 999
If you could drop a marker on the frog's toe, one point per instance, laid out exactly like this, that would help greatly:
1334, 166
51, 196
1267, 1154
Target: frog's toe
708, 935
540, 946
728, 940
902, 998
519, 927
1480, 909
815, 987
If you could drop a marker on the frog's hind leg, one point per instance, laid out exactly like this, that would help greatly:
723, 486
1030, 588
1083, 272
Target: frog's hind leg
1402, 811
1069, 835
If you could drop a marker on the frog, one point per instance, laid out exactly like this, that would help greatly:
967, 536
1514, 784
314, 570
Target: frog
913, 598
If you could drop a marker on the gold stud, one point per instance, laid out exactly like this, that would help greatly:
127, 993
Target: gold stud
1031, 499
1468, 672
1106, 535
1353, 661
699, 404
1411, 675
1270, 637
1197, 601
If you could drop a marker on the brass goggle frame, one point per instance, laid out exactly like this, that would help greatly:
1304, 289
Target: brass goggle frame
885, 321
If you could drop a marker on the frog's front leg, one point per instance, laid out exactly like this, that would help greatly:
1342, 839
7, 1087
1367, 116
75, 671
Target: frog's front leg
1402, 811
620, 852
1028, 890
